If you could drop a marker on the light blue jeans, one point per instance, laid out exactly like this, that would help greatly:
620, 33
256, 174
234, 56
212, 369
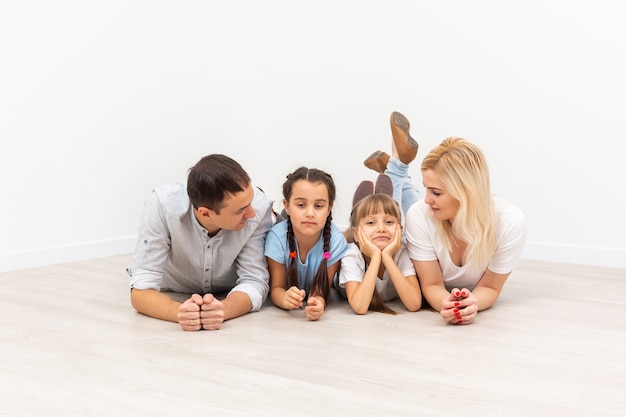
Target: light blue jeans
404, 192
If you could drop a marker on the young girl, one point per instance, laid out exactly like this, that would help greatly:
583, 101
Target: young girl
304, 252
377, 267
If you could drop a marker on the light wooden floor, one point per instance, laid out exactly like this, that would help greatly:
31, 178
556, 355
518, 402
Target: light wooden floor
553, 345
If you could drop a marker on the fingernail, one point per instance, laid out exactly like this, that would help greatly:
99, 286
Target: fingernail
463, 294
456, 310
457, 293
456, 304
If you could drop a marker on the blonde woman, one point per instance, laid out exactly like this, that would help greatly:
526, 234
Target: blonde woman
464, 241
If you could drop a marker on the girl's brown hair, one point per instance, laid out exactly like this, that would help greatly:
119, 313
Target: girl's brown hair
373, 204
320, 285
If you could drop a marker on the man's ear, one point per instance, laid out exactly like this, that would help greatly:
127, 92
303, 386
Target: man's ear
206, 213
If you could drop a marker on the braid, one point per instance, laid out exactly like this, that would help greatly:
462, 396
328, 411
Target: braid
292, 269
320, 285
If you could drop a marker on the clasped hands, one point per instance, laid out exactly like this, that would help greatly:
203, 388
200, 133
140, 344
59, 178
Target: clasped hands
200, 312
459, 307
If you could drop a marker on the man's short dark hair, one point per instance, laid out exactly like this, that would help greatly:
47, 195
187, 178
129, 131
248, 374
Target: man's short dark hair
214, 178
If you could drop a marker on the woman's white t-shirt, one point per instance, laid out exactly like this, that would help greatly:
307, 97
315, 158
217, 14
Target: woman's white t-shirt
424, 245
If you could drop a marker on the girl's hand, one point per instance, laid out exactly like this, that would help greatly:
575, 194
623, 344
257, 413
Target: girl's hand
315, 308
395, 244
367, 247
293, 298
459, 307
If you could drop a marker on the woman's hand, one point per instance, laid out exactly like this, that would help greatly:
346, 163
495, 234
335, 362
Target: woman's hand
459, 307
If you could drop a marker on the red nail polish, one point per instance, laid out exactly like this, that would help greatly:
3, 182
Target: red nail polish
456, 304
456, 310
463, 294
457, 294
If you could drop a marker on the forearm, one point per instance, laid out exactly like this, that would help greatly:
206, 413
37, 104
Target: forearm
360, 293
236, 304
360, 297
277, 295
485, 297
155, 304
408, 288
435, 294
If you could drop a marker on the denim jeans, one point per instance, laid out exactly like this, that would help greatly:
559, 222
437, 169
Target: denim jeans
404, 192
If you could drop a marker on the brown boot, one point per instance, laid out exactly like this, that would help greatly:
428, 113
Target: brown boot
377, 161
405, 145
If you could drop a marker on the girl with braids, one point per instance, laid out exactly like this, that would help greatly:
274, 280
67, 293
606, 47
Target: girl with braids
377, 267
304, 251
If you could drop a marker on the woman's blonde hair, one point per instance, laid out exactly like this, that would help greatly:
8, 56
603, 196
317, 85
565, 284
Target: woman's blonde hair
374, 204
462, 168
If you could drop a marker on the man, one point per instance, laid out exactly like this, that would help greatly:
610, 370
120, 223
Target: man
204, 238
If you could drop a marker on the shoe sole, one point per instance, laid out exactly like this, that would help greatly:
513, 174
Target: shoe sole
374, 161
403, 123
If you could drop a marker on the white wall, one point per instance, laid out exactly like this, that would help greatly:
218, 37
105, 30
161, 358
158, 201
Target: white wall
101, 101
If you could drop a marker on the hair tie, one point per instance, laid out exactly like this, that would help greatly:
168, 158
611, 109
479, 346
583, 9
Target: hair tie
292, 255
327, 255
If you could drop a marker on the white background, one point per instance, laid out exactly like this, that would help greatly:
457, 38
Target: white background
101, 101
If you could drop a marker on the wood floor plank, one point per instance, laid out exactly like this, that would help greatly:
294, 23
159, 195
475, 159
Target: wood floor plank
552, 345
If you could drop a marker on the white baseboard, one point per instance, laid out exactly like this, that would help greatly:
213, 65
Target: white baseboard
572, 254
13, 261
605, 257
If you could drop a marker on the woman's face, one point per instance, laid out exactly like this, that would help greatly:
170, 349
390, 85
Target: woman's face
441, 202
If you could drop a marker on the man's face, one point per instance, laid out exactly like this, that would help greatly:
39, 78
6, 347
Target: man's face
236, 211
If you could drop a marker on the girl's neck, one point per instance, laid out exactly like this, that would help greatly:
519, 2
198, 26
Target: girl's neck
305, 243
